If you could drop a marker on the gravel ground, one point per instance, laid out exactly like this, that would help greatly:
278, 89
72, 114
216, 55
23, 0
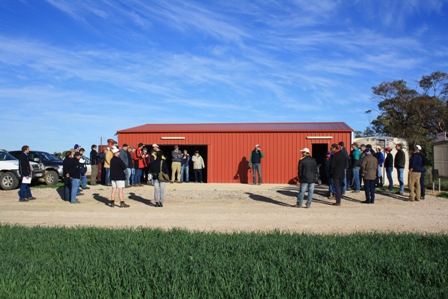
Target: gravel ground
229, 208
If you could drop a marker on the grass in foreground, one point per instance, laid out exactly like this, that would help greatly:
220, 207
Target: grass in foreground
144, 263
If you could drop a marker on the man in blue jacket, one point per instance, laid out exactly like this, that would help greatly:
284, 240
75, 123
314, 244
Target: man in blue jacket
415, 171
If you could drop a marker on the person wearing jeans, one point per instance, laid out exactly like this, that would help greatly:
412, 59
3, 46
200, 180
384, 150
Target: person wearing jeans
185, 167
74, 173
369, 169
389, 165
399, 163
307, 177
255, 162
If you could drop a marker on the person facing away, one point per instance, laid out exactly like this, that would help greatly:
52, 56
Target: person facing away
307, 170
255, 162
389, 165
380, 157
74, 173
198, 165
399, 163
355, 157
25, 172
117, 177
415, 172
94, 160
369, 169
337, 172
159, 164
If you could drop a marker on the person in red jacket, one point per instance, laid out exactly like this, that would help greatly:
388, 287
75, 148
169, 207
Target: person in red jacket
137, 156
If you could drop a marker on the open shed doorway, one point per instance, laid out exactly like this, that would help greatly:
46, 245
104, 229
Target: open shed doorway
319, 152
191, 149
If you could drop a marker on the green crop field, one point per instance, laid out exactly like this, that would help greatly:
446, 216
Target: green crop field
151, 263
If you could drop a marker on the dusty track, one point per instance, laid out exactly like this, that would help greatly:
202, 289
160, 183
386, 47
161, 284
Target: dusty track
228, 208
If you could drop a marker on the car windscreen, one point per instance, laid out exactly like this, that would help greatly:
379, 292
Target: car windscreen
48, 157
6, 156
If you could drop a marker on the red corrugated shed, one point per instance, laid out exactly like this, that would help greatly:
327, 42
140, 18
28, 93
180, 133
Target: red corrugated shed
227, 146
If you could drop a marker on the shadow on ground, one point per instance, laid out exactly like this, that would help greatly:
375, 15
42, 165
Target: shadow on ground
140, 199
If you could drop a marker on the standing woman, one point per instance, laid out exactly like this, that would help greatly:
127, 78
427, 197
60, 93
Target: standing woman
159, 186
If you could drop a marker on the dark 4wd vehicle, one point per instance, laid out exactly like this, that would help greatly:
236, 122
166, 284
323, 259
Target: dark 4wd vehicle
9, 171
52, 164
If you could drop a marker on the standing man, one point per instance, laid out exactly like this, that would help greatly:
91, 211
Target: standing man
138, 165
400, 161
176, 159
380, 157
355, 156
389, 165
74, 173
198, 165
94, 165
255, 162
185, 167
107, 158
123, 155
307, 177
25, 174
337, 170
347, 166
369, 169
117, 176
83, 170
415, 171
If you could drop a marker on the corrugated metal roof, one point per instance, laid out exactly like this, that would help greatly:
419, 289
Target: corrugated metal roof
242, 127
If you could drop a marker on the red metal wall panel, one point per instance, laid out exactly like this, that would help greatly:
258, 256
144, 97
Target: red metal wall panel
228, 152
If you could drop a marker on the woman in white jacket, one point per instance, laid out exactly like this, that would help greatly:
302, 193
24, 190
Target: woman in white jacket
198, 165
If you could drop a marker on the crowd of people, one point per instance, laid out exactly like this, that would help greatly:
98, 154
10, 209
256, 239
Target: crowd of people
127, 167
363, 164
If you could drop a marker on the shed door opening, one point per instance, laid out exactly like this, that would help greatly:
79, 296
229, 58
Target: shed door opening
319, 153
191, 149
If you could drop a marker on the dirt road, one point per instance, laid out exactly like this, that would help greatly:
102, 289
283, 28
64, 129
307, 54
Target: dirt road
228, 208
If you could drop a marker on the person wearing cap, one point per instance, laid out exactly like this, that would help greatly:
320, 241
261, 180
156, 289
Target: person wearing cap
355, 156
307, 170
117, 176
369, 169
74, 173
176, 160
94, 161
76, 147
198, 165
255, 163
399, 163
380, 158
415, 172
337, 170
389, 165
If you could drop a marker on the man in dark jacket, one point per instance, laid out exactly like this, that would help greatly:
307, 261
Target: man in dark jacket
347, 166
389, 165
117, 177
307, 177
400, 161
94, 160
25, 175
415, 171
74, 173
338, 164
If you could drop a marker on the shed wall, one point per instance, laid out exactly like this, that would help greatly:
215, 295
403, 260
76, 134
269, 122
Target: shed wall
229, 153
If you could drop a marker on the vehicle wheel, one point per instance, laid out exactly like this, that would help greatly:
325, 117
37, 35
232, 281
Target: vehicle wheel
8, 181
51, 177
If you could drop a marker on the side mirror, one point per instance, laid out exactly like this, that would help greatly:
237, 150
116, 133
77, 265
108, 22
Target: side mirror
36, 160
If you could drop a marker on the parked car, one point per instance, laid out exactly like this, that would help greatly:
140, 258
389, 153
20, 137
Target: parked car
52, 164
9, 171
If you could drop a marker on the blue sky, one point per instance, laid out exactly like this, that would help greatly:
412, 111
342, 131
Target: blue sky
75, 71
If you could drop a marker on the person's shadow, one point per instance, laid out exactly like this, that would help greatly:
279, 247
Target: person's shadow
100, 198
241, 173
138, 198
267, 200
